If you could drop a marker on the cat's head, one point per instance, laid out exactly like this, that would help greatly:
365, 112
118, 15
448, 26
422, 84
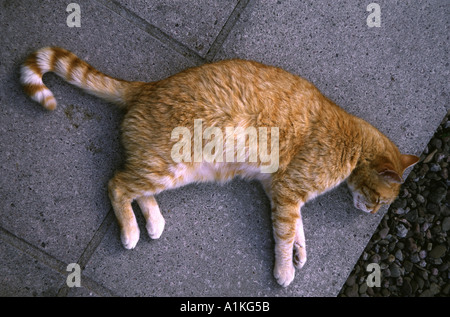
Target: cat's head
376, 182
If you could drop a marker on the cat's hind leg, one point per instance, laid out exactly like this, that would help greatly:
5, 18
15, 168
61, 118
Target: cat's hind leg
121, 196
125, 187
154, 220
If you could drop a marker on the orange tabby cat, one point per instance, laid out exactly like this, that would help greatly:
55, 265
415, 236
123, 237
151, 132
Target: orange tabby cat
318, 145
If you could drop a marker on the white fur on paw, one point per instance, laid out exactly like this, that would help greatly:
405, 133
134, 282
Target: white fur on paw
299, 255
284, 274
130, 237
156, 228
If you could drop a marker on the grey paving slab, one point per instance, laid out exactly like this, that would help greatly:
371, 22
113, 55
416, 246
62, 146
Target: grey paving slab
394, 76
22, 275
55, 166
26, 270
196, 24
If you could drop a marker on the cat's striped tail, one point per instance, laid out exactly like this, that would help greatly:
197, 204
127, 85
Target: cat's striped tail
74, 70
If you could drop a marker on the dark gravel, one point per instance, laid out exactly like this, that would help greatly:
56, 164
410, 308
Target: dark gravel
411, 244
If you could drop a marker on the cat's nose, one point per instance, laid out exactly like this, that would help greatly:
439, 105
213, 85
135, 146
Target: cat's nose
369, 208
375, 209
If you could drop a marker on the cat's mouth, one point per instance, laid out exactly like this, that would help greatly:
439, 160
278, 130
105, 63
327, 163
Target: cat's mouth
359, 204
365, 208
362, 207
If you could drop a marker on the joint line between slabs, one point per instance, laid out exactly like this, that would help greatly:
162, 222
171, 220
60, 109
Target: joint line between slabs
86, 256
226, 29
153, 31
32, 251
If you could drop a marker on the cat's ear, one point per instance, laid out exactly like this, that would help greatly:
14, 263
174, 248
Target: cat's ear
391, 176
408, 160
386, 171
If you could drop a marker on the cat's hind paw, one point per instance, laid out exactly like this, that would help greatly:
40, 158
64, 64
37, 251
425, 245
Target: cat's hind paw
155, 228
130, 237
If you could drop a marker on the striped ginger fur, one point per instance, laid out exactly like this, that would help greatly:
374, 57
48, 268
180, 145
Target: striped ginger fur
320, 145
72, 69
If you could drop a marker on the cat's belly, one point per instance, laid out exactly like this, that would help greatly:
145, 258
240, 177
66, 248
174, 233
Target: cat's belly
183, 174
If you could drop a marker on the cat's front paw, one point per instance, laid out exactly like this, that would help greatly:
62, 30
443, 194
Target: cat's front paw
299, 255
130, 237
284, 274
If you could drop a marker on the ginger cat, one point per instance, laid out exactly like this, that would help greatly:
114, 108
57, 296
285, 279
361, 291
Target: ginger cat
317, 145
